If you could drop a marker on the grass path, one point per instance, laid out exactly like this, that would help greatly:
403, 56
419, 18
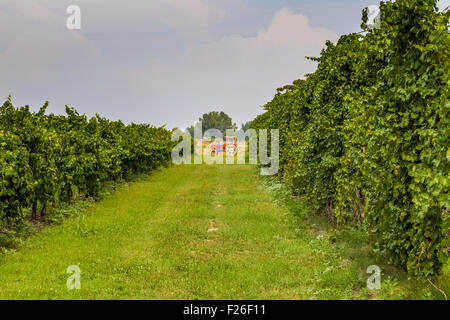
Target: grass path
187, 232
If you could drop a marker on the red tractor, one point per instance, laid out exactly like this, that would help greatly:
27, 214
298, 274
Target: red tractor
229, 145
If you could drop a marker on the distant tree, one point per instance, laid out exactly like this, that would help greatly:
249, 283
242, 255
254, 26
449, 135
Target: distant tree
191, 129
245, 126
215, 120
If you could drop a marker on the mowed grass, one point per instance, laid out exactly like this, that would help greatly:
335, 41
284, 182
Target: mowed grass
189, 232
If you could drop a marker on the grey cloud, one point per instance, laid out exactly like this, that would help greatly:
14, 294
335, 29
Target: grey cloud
174, 78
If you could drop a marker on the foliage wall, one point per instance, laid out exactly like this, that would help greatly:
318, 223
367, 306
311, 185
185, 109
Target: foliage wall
366, 137
50, 158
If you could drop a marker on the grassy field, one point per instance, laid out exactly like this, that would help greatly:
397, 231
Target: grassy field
200, 232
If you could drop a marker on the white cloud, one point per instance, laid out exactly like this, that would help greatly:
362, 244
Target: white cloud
42, 60
235, 73
191, 14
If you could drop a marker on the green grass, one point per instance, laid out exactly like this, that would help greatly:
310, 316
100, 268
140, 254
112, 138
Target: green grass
199, 232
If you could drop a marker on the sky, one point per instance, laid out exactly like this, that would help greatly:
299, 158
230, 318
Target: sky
164, 62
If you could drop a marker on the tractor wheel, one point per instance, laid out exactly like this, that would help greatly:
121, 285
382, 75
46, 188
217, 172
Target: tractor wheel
231, 149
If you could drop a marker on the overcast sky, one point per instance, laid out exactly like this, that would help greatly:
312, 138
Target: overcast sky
164, 61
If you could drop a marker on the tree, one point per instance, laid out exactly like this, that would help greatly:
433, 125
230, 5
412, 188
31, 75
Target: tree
214, 120
245, 126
